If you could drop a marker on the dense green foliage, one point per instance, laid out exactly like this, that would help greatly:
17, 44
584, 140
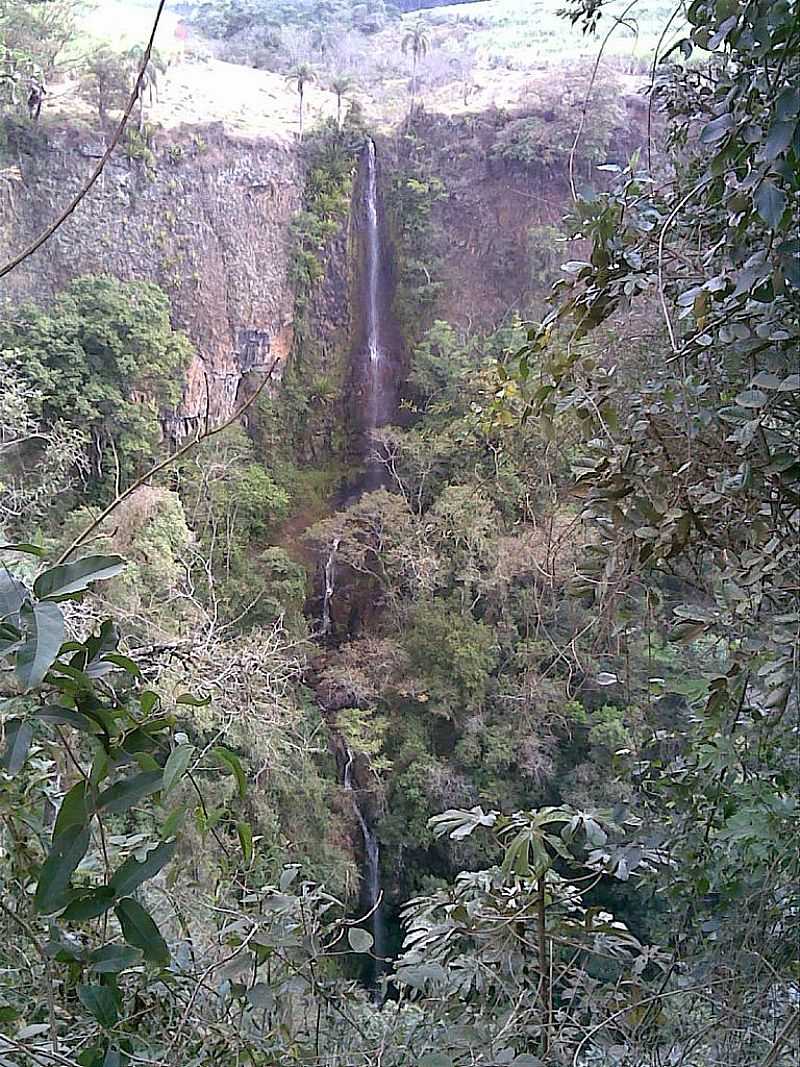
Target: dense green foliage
261, 19
414, 192
543, 138
559, 676
105, 360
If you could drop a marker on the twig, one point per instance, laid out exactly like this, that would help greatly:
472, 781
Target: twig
791, 1025
664, 229
48, 233
618, 21
200, 436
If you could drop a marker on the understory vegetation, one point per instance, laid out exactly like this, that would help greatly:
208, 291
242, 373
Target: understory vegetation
543, 659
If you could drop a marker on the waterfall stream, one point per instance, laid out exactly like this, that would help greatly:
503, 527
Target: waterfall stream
376, 359
330, 587
371, 311
372, 873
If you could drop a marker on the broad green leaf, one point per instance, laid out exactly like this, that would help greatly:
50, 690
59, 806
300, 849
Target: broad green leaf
360, 940
88, 904
460, 824
10, 639
435, 1059
129, 791
65, 854
74, 810
193, 701
418, 976
23, 546
19, 734
752, 398
260, 996
686, 631
224, 755
111, 959
12, 595
176, 766
138, 743
64, 951
140, 931
765, 380
133, 872
173, 822
43, 627
125, 663
517, 858
716, 129
101, 1002
778, 139
147, 701
66, 717
770, 202
69, 578
100, 769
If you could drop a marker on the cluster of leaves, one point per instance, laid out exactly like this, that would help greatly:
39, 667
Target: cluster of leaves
466, 656
543, 137
689, 477
33, 36
104, 360
262, 20
131, 753
313, 381
37, 38
326, 201
410, 200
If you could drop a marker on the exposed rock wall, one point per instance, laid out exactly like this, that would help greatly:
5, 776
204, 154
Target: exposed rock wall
209, 222
496, 224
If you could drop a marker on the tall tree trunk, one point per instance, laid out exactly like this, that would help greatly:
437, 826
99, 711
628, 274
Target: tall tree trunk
301, 113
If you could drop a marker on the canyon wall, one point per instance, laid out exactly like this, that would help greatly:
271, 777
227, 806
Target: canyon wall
207, 218
206, 214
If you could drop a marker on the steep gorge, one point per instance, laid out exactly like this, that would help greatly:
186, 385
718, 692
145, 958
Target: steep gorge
206, 217
212, 223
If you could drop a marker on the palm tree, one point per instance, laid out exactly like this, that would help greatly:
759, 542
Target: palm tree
300, 76
341, 84
155, 66
417, 42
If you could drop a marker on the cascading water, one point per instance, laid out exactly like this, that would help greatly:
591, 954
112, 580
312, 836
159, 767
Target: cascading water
330, 577
372, 873
372, 315
377, 358
375, 367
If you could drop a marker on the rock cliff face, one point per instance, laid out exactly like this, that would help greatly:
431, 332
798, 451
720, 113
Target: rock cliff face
497, 226
207, 219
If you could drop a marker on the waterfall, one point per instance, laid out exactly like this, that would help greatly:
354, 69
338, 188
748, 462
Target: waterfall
373, 252
372, 872
330, 574
379, 387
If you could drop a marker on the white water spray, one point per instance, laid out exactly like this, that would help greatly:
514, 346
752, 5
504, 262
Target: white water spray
372, 873
330, 586
373, 254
